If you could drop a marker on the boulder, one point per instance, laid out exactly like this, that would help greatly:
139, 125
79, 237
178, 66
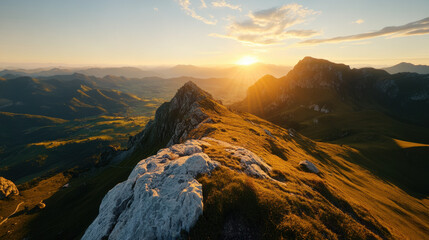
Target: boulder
7, 188
269, 133
309, 166
160, 199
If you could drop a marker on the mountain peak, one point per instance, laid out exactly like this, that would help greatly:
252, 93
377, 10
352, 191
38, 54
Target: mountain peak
188, 94
316, 63
175, 119
191, 86
404, 63
408, 67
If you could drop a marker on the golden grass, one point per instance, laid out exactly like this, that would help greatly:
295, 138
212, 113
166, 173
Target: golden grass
58, 143
351, 198
405, 144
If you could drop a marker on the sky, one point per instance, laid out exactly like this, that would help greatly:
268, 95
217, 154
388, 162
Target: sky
212, 32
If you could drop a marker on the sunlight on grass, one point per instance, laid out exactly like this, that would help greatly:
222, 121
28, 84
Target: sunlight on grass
57, 143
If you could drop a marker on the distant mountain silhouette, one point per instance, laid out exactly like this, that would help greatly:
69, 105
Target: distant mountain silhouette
408, 67
130, 72
323, 83
71, 99
249, 73
242, 73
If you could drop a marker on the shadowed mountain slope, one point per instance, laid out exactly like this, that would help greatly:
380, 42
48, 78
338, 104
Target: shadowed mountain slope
317, 83
367, 109
71, 99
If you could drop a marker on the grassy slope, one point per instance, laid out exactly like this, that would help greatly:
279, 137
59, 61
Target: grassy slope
375, 135
344, 201
363, 125
33, 150
346, 186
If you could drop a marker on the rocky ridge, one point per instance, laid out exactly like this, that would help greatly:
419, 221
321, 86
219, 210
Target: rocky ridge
174, 119
317, 82
160, 199
7, 188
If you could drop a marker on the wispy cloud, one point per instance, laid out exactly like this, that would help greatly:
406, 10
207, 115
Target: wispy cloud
270, 26
186, 6
223, 3
420, 27
203, 4
359, 21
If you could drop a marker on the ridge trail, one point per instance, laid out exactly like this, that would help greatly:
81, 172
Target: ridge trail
17, 207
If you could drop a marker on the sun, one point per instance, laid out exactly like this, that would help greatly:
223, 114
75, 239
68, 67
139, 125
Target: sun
247, 60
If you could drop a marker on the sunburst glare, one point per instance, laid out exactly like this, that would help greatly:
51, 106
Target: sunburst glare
247, 60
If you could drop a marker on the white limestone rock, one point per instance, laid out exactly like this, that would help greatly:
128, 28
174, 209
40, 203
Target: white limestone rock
324, 109
309, 166
269, 133
159, 199
253, 165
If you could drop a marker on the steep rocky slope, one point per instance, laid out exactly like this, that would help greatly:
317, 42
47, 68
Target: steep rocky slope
367, 109
7, 188
324, 86
245, 175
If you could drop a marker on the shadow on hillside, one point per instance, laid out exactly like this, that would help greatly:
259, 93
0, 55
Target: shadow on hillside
404, 167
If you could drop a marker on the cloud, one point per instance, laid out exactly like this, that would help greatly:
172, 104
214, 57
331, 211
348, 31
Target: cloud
223, 3
420, 27
359, 21
270, 26
186, 6
203, 4
156, 9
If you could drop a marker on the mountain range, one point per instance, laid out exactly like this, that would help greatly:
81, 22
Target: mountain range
242, 73
317, 85
325, 152
408, 67
61, 99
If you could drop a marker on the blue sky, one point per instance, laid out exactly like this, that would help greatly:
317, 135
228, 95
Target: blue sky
164, 32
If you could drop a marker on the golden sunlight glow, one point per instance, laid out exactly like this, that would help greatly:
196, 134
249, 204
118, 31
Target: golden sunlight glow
247, 60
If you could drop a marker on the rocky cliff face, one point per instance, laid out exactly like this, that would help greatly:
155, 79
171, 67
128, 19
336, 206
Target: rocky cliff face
323, 83
160, 198
174, 119
7, 188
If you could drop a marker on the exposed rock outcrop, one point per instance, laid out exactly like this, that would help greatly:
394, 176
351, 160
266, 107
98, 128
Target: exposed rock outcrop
175, 119
160, 198
7, 188
252, 164
309, 166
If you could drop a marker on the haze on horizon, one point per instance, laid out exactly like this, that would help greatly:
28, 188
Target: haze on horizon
211, 32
